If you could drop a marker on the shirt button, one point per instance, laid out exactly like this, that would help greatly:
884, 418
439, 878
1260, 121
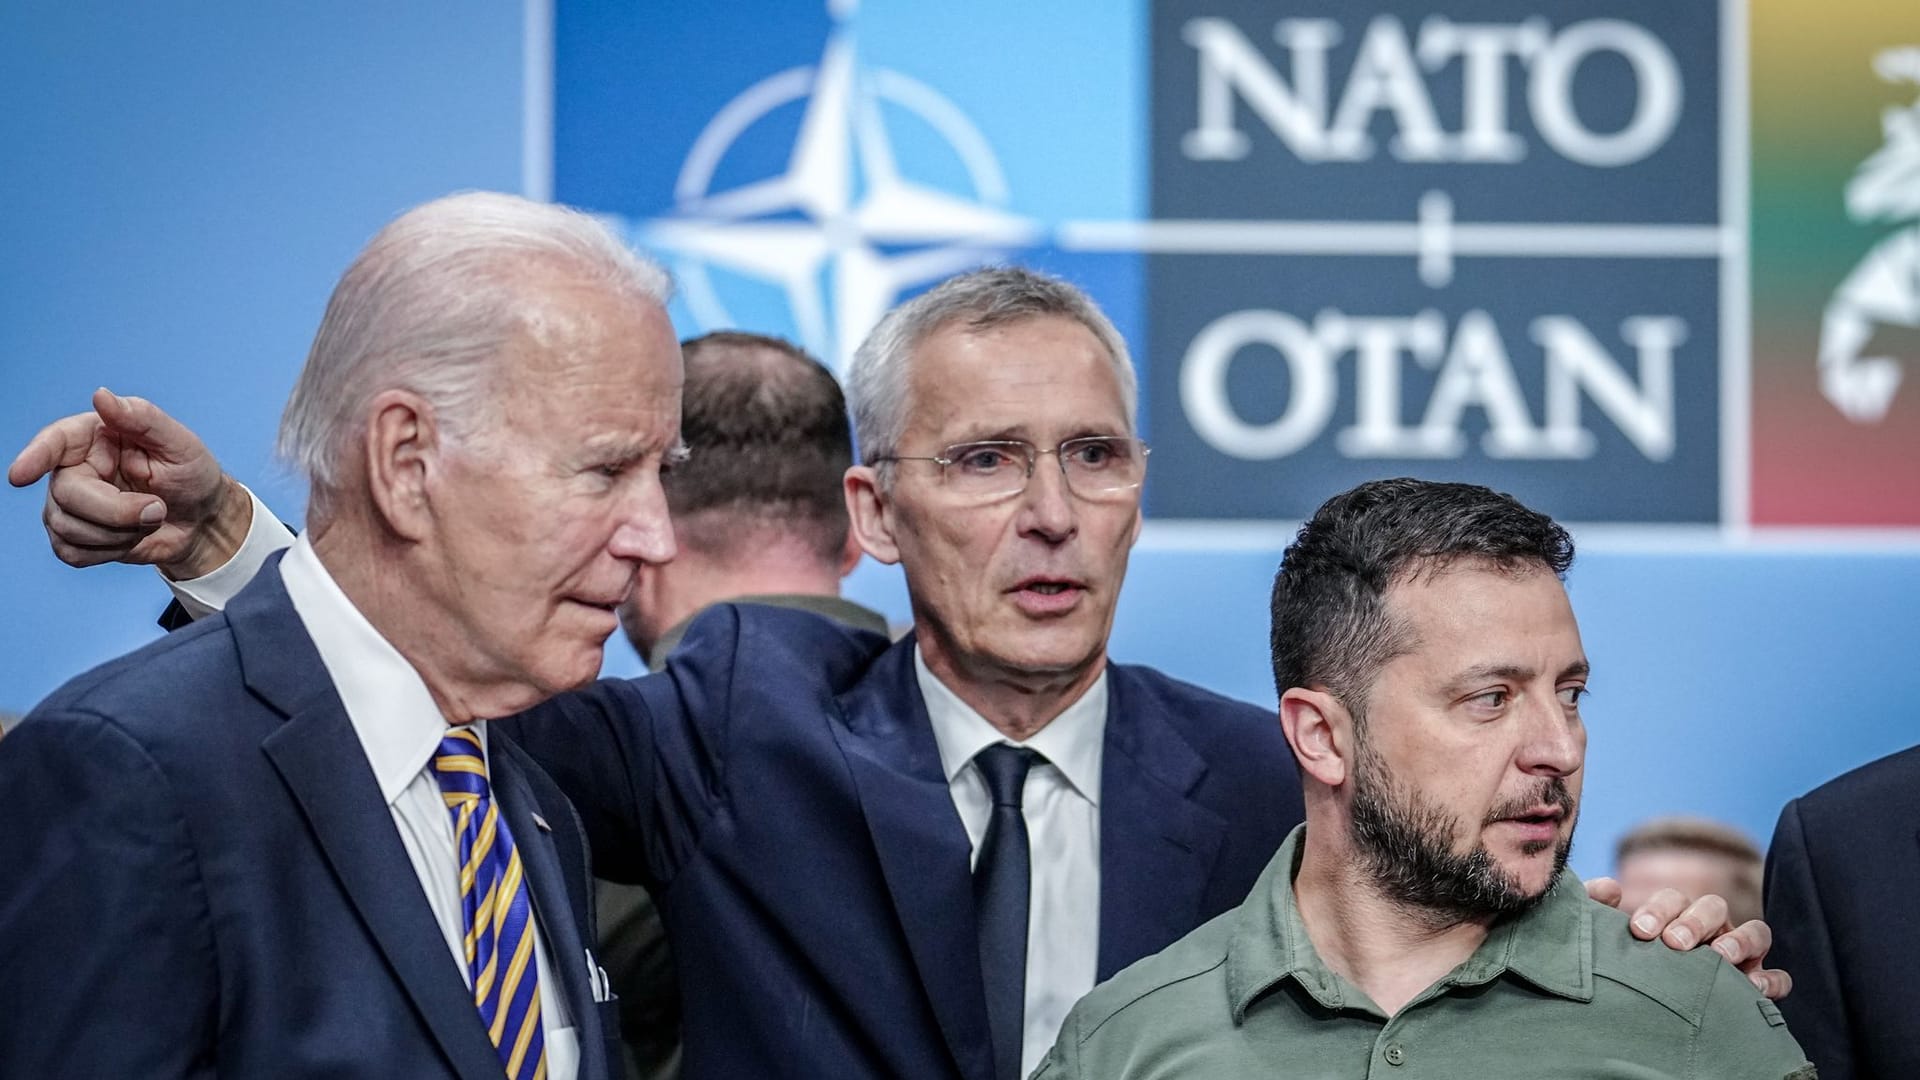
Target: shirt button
1395, 1054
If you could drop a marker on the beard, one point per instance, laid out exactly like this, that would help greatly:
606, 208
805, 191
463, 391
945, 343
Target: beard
1406, 846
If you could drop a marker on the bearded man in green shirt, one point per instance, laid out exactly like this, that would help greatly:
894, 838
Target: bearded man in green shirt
1422, 922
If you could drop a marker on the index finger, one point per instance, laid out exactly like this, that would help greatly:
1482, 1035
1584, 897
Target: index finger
61, 443
1605, 890
1657, 913
1703, 921
137, 420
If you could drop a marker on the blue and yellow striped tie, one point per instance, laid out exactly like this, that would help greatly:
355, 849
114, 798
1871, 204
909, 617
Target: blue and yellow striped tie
493, 893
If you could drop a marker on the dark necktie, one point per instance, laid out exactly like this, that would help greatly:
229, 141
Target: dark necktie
1001, 882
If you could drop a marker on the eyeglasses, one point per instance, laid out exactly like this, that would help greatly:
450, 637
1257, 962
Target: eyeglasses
1095, 466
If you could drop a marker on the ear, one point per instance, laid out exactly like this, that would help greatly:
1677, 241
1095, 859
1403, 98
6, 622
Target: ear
850, 553
869, 514
1320, 730
403, 449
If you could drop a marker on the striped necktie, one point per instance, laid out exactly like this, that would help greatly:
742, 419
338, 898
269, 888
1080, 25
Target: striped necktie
499, 919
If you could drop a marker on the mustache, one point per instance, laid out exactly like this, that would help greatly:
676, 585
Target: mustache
1550, 792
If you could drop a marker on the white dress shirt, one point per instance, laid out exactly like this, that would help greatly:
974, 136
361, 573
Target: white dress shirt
400, 729
1061, 802
202, 596
1061, 799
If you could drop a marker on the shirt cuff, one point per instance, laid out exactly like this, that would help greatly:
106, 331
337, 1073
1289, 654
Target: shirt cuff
204, 595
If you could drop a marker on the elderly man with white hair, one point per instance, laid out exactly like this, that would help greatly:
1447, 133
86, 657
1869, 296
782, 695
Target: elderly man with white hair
285, 843
879, 859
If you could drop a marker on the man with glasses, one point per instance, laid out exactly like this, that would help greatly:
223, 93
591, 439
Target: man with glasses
880, 859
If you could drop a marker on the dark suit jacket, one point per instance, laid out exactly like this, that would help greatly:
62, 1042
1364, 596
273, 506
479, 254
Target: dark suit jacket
780, 791
1843, 876
201, 877
633, 941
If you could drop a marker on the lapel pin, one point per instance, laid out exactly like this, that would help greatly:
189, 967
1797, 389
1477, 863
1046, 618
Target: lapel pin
541, 824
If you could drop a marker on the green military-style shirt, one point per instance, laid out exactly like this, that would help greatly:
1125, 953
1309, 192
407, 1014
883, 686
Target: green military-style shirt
1561, 992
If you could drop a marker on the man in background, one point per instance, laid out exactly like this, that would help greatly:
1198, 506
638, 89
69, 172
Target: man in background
1430, 674
1845, 855
1693, 855
758, 518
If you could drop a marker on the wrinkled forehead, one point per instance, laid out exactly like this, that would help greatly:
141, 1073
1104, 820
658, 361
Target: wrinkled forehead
558, 308
587, 360
1042, 377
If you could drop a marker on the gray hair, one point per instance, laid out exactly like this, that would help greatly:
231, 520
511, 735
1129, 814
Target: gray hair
429, 305
982, 299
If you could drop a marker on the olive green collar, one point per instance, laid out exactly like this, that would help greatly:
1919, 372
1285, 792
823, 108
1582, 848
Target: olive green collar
1549, 947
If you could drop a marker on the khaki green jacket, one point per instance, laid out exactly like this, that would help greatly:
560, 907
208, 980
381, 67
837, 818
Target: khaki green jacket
1561, 992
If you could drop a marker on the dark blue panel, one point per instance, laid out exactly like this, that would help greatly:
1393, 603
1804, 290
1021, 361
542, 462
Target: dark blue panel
634, 86
1247, 128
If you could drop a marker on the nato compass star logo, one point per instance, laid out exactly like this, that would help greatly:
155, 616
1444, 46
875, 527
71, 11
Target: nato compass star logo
842, 232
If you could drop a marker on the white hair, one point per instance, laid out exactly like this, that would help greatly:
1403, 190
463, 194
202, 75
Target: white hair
982, 299
428, 306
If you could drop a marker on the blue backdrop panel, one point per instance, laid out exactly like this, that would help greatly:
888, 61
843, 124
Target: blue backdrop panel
185, 182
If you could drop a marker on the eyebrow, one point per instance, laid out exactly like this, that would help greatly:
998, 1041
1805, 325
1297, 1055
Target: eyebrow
1018, 433
1467, 679
625, 448
1015, 433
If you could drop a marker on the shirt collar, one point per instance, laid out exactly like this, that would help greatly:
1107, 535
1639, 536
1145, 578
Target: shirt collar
1551, 946
1073, 742
387, 701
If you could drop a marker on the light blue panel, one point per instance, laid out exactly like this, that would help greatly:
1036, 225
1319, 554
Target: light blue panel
183, 184
1727, 684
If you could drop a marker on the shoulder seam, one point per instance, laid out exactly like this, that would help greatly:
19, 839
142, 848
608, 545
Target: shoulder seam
1666, 1001
1146, 992
114, 671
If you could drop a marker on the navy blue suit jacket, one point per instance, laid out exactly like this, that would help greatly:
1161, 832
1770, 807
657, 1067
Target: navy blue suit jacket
779, 789
1843, 873
199, 877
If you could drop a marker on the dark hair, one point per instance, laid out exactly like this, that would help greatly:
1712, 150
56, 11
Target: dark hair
1330, 623
767, 425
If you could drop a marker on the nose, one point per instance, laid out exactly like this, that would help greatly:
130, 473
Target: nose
1047, 506
1556, 738
644, 533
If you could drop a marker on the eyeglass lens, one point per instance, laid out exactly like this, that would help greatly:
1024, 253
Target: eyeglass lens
1094, 465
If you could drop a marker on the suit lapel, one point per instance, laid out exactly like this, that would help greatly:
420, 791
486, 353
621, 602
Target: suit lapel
325, 769
1157, 845
922, 846
552, 905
